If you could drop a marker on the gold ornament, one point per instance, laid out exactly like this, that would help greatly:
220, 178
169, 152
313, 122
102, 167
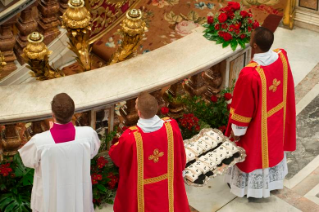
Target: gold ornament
76, 19
2, 61
133, 28
36, 54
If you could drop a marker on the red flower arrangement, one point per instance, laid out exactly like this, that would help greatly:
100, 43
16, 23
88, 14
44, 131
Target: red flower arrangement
164, 110
228, 96
189, 125
232, 26
5, 169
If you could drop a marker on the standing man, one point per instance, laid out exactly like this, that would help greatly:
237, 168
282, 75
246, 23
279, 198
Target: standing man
262, 119
61, 158
151, 158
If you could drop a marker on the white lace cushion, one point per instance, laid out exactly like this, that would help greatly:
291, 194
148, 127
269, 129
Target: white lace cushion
210, 141
230, 146
203, 167
189, 175
195, 148
214, 136
204, 145
189, 155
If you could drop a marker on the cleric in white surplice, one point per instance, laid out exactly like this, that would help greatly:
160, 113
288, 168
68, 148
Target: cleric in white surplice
61, 158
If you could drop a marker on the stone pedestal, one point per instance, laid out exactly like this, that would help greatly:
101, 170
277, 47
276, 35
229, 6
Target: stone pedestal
11, 140
159, 97
129, 113
7, 42
175, 105
63, 6
26, 24
48, 19
213, 78
196, 86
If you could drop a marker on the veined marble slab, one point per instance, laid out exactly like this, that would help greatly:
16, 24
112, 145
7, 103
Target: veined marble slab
111, 84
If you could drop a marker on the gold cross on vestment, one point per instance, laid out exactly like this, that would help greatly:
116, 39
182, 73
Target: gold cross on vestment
156, 155
275, 84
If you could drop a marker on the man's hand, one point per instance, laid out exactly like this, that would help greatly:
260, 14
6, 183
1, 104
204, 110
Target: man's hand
236, 138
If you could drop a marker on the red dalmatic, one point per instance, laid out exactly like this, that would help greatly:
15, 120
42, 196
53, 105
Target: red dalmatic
264, 100
151, 166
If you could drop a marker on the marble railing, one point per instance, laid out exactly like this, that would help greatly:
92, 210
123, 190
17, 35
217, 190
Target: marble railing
103, 88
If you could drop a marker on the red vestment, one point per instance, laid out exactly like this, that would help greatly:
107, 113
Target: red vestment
264, 101
151, 166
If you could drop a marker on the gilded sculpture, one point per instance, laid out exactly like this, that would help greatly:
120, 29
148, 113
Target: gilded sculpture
36, 54
133, 28
2, 61
76, 20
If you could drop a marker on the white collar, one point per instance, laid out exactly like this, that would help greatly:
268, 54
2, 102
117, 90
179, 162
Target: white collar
150, 125
265, 59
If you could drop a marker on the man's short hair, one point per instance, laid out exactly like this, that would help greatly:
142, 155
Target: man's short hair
63, 108
264, 38
147, 105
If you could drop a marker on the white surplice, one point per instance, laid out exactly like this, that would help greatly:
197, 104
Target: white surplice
62, 181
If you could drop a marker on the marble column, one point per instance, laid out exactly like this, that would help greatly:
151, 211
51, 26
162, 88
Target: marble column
25, 24
48, 19
7, 42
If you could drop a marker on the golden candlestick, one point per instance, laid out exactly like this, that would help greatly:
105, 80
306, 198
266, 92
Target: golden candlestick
133, 28
36, 54
76, 19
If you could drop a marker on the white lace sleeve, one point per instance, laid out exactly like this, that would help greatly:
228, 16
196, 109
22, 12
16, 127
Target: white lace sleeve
238, 130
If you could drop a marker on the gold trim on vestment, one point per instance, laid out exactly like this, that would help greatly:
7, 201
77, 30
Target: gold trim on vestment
264, 116
236, 117
155, 179
285, 84
275, 109
252, 64
170, 166
133, 128
140, 171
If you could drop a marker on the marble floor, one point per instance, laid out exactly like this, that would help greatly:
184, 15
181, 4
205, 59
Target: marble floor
301, 191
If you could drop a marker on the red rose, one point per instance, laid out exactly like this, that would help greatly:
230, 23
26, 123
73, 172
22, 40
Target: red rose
124, 128
230, 15
222, 17
210, 19
237, 31
217, 27
234, 5
224, 26
249, 29
221, 34
227, 36
255, 24
228, 107
244, 14
115, 140
250, 15
237, 25
213, 98
228, 96
197, 128
250, 21
231, 28
164, 110
242, 36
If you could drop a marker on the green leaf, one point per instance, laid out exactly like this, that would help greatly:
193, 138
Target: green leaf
233, 44
242, 43
219, 40
206, 25
226, 43
101, 188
